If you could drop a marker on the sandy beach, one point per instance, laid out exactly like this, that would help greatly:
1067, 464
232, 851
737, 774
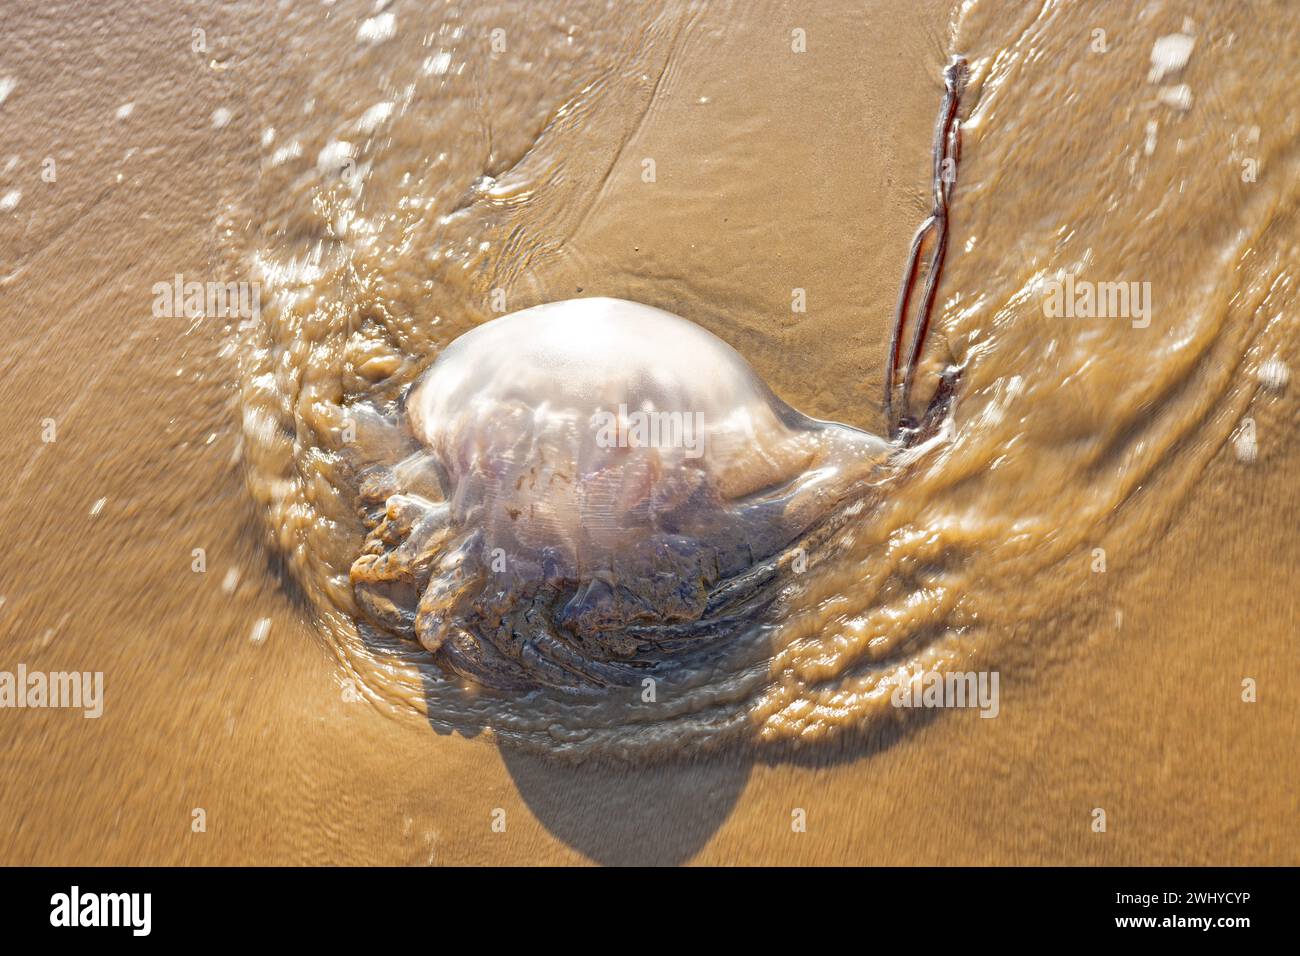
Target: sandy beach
1108, 525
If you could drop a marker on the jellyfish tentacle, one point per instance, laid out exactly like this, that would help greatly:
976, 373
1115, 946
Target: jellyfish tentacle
451, 582
397, 559
946, 155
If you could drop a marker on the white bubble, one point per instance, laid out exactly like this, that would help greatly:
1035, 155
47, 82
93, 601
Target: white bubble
220, 118
260, 630
9, 200
1274, 375
377, 29
7, 84
333, 156
285, 153
1169, 55
1179, 97
372, 117
230, 581
125, 110
1246, 448
1153, 130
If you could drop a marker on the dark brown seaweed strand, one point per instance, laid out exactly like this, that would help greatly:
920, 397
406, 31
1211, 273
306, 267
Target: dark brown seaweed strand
947, 145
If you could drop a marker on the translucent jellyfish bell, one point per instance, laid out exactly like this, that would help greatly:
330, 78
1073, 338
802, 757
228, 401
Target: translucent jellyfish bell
612, 469
573, 424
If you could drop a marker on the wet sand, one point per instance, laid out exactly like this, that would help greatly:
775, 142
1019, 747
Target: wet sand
1121, 690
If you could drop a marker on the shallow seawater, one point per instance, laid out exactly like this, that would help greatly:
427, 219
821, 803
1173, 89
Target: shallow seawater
447, 184
1107, 522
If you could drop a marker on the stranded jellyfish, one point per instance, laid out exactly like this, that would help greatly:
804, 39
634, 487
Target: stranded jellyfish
596, 488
